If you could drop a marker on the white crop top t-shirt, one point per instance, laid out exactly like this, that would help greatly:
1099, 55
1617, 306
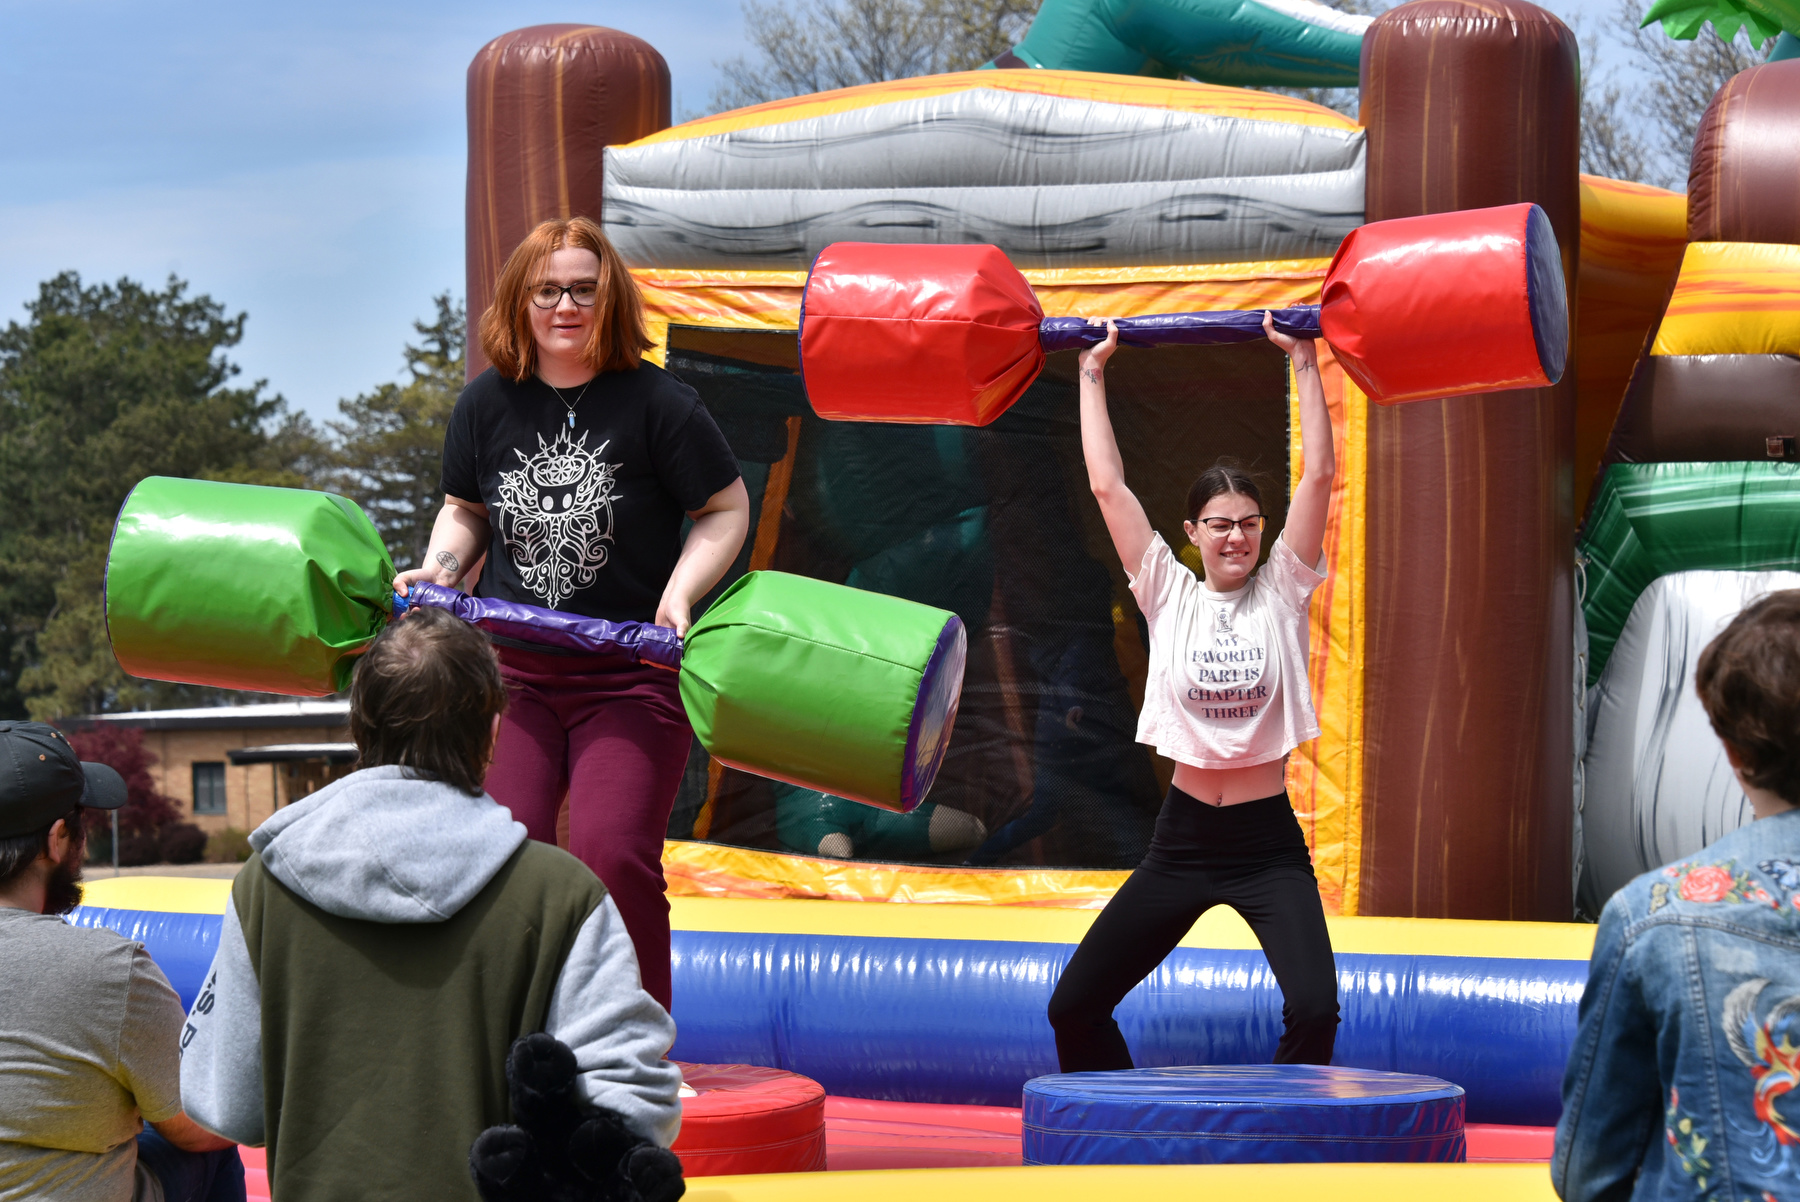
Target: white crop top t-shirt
1227, 686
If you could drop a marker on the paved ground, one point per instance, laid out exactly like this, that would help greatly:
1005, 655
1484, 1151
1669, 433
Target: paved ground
224, 872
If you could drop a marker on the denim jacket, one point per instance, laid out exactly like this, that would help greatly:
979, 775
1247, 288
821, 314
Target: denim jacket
1685, 1077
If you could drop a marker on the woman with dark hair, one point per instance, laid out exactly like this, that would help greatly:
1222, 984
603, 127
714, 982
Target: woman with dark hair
1227, 699
570, 465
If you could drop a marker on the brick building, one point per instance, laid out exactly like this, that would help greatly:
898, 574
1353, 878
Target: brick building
235, 765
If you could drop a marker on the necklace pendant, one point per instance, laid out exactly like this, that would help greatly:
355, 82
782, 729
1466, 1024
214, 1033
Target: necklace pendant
571, 419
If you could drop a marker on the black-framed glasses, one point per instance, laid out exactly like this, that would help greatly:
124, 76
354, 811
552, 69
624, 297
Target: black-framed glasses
1221, 527
582, 292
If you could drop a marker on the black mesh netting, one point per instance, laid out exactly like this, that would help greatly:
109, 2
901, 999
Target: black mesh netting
998, 525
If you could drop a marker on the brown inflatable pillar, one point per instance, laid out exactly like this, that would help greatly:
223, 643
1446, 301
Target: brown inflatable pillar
543, 102
1744, 178
1468, 690
1743, 186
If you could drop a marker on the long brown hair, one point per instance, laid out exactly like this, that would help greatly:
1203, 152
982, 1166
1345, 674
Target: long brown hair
618, 339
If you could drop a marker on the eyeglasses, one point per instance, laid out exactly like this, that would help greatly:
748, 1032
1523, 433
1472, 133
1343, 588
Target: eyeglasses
582, 292
1221, 527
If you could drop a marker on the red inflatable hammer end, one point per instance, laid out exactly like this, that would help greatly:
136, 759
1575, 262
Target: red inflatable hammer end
946, 335
1449, 303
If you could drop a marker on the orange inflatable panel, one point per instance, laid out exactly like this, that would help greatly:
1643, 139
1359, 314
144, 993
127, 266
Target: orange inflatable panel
746, 1119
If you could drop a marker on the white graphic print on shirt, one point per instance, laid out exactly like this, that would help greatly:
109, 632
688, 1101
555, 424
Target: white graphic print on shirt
1227, 674
556, 515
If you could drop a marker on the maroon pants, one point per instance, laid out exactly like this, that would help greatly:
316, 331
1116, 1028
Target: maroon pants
613, 735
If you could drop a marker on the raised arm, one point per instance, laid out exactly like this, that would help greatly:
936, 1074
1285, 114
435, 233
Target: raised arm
1305, 528
1124, 513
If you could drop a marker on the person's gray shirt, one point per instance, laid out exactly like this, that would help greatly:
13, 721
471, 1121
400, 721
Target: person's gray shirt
89, 1050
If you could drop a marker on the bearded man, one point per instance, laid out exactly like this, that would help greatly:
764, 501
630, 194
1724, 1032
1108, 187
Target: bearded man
89, 1029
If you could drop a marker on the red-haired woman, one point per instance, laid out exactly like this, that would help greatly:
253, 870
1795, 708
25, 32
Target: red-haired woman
570, 464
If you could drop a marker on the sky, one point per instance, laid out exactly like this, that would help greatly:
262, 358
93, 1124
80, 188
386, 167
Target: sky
300, 162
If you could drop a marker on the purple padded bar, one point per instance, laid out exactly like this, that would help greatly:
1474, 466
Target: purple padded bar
1178, 329
644, 642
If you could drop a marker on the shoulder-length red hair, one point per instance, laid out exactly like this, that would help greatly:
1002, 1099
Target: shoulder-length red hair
618, 340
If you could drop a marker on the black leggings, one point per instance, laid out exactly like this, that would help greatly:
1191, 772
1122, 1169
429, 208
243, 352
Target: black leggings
1251, 857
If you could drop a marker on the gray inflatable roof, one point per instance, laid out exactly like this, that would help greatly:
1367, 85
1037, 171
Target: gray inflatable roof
1053, 181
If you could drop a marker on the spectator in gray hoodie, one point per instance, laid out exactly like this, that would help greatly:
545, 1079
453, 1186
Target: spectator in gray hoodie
391, 937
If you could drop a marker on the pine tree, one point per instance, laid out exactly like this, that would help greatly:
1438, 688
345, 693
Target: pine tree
390, 449
101, 386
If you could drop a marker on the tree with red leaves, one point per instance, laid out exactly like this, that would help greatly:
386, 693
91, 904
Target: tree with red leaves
122, 749
151, 830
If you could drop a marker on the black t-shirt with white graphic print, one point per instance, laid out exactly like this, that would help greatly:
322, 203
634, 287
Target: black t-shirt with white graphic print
585, 517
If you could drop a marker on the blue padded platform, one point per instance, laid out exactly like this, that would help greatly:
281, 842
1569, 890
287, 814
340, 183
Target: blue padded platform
1242, 1114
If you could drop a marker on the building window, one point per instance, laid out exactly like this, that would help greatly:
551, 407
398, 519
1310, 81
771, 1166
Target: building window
209, 788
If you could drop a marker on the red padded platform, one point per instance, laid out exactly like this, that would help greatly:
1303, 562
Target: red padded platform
864, 1134
746, 1119
1495, 1143
256, 1174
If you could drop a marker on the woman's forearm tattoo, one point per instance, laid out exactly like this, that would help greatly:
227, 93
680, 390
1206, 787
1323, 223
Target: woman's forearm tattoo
449, 561
1090, 375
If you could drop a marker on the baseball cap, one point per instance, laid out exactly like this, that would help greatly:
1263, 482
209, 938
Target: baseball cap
42, 779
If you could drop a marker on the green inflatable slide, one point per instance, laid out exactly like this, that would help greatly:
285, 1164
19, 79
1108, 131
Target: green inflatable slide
1246, 43
1651, 519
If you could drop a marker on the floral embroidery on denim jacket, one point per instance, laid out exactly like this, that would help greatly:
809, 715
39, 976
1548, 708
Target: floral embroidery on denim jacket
1688, 1142
1708, 883
1683, 1083
1786, 876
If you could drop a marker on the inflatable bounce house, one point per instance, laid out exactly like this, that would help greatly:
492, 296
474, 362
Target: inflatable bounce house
1695, 509
1508, 726
1443, 663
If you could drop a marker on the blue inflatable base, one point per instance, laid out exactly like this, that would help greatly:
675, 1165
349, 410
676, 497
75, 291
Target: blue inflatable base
1242, 1114
963, 1020
183, 945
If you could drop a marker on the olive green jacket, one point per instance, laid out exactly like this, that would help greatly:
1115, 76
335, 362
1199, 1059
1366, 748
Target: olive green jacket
384, 947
